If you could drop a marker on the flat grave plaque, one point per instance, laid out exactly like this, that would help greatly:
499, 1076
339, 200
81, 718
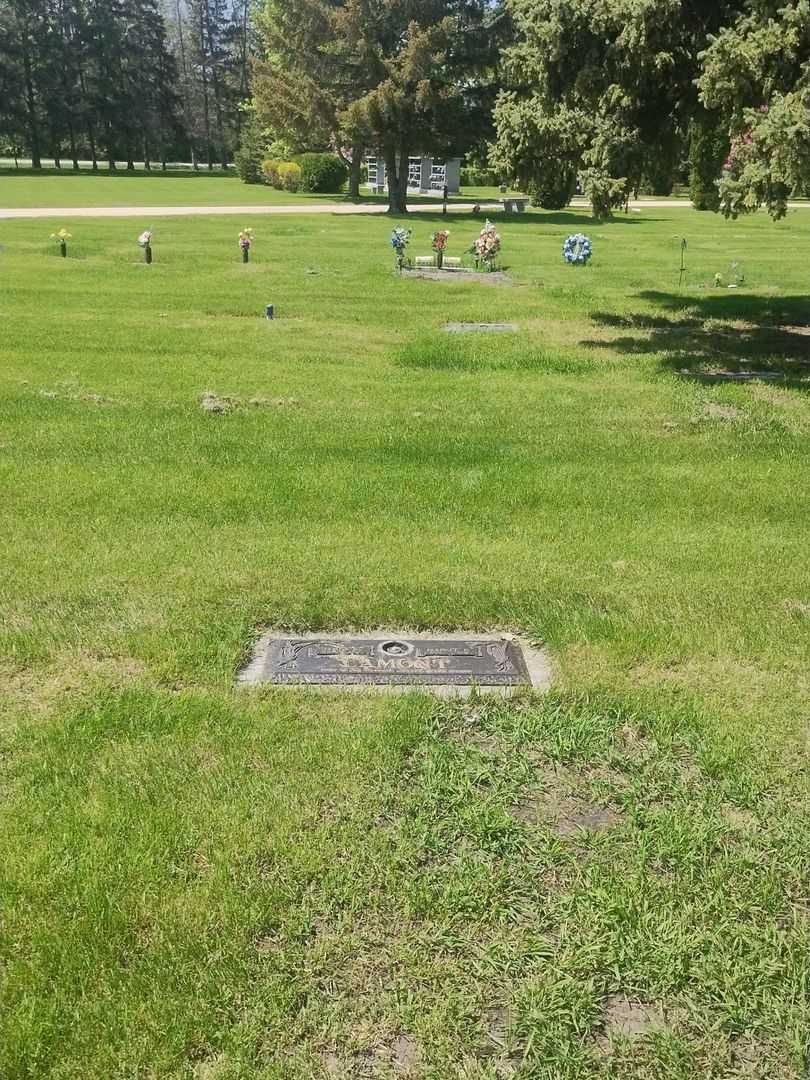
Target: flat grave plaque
389, 661
481, 327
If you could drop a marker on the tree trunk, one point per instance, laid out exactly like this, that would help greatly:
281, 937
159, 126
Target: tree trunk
74, 154
397, 174
31, 109
354, 172
204, 83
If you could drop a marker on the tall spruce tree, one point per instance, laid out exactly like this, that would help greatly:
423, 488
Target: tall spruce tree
599, 86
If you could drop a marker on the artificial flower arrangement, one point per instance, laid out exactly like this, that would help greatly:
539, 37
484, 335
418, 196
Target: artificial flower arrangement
439, 242
737, 277
487, 247
145, 241
61, 238
245, 240
399, 242
577, 249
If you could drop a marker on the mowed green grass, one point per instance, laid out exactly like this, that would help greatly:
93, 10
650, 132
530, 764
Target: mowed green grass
25, 187
608, 881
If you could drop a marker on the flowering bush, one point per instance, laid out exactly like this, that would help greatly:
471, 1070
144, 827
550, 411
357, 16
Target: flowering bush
487, 247
399, 242
61, 238
577, 249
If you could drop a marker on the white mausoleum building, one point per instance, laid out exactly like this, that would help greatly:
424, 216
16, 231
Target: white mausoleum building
425, 174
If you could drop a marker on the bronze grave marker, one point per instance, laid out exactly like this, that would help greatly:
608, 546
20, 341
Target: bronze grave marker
451, 661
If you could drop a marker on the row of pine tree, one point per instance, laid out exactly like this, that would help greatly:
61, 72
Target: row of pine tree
120, 81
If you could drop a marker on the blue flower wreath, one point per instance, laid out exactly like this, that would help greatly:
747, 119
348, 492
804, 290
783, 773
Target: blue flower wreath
577, 249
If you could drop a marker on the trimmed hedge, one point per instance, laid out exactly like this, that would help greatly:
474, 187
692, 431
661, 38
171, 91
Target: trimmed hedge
471, 176
283, 175
289, 175
322, 172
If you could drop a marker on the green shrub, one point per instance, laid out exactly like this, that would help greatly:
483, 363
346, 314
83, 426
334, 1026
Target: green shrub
553, 192
248, 157
708, 147
270, 170
472, 176
289, 175
322, 172
606, 193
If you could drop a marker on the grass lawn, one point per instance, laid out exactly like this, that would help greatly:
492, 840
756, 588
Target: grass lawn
609, 881
25, 187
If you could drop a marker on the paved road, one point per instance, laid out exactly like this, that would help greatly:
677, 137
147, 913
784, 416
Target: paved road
302, 208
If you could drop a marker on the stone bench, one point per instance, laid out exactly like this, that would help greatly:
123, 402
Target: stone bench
519, 205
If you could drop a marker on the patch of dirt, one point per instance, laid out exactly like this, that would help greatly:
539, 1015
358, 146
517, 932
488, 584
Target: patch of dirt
406, 1053
723, 412
636, 744
402, 1053
267, 945
737, 818
331, 1063
796, 607
212, 1068
496, 1022
755, 1060
564, 810
494, 277
480, 740
76, 392
213, 403
803, 331
603, 776
217, 403
628, 1019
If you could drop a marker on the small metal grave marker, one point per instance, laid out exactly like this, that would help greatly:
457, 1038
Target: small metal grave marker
444, 663
481, 327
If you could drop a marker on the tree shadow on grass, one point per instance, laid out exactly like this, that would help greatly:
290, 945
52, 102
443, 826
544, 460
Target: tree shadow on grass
570, 219
719, 338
